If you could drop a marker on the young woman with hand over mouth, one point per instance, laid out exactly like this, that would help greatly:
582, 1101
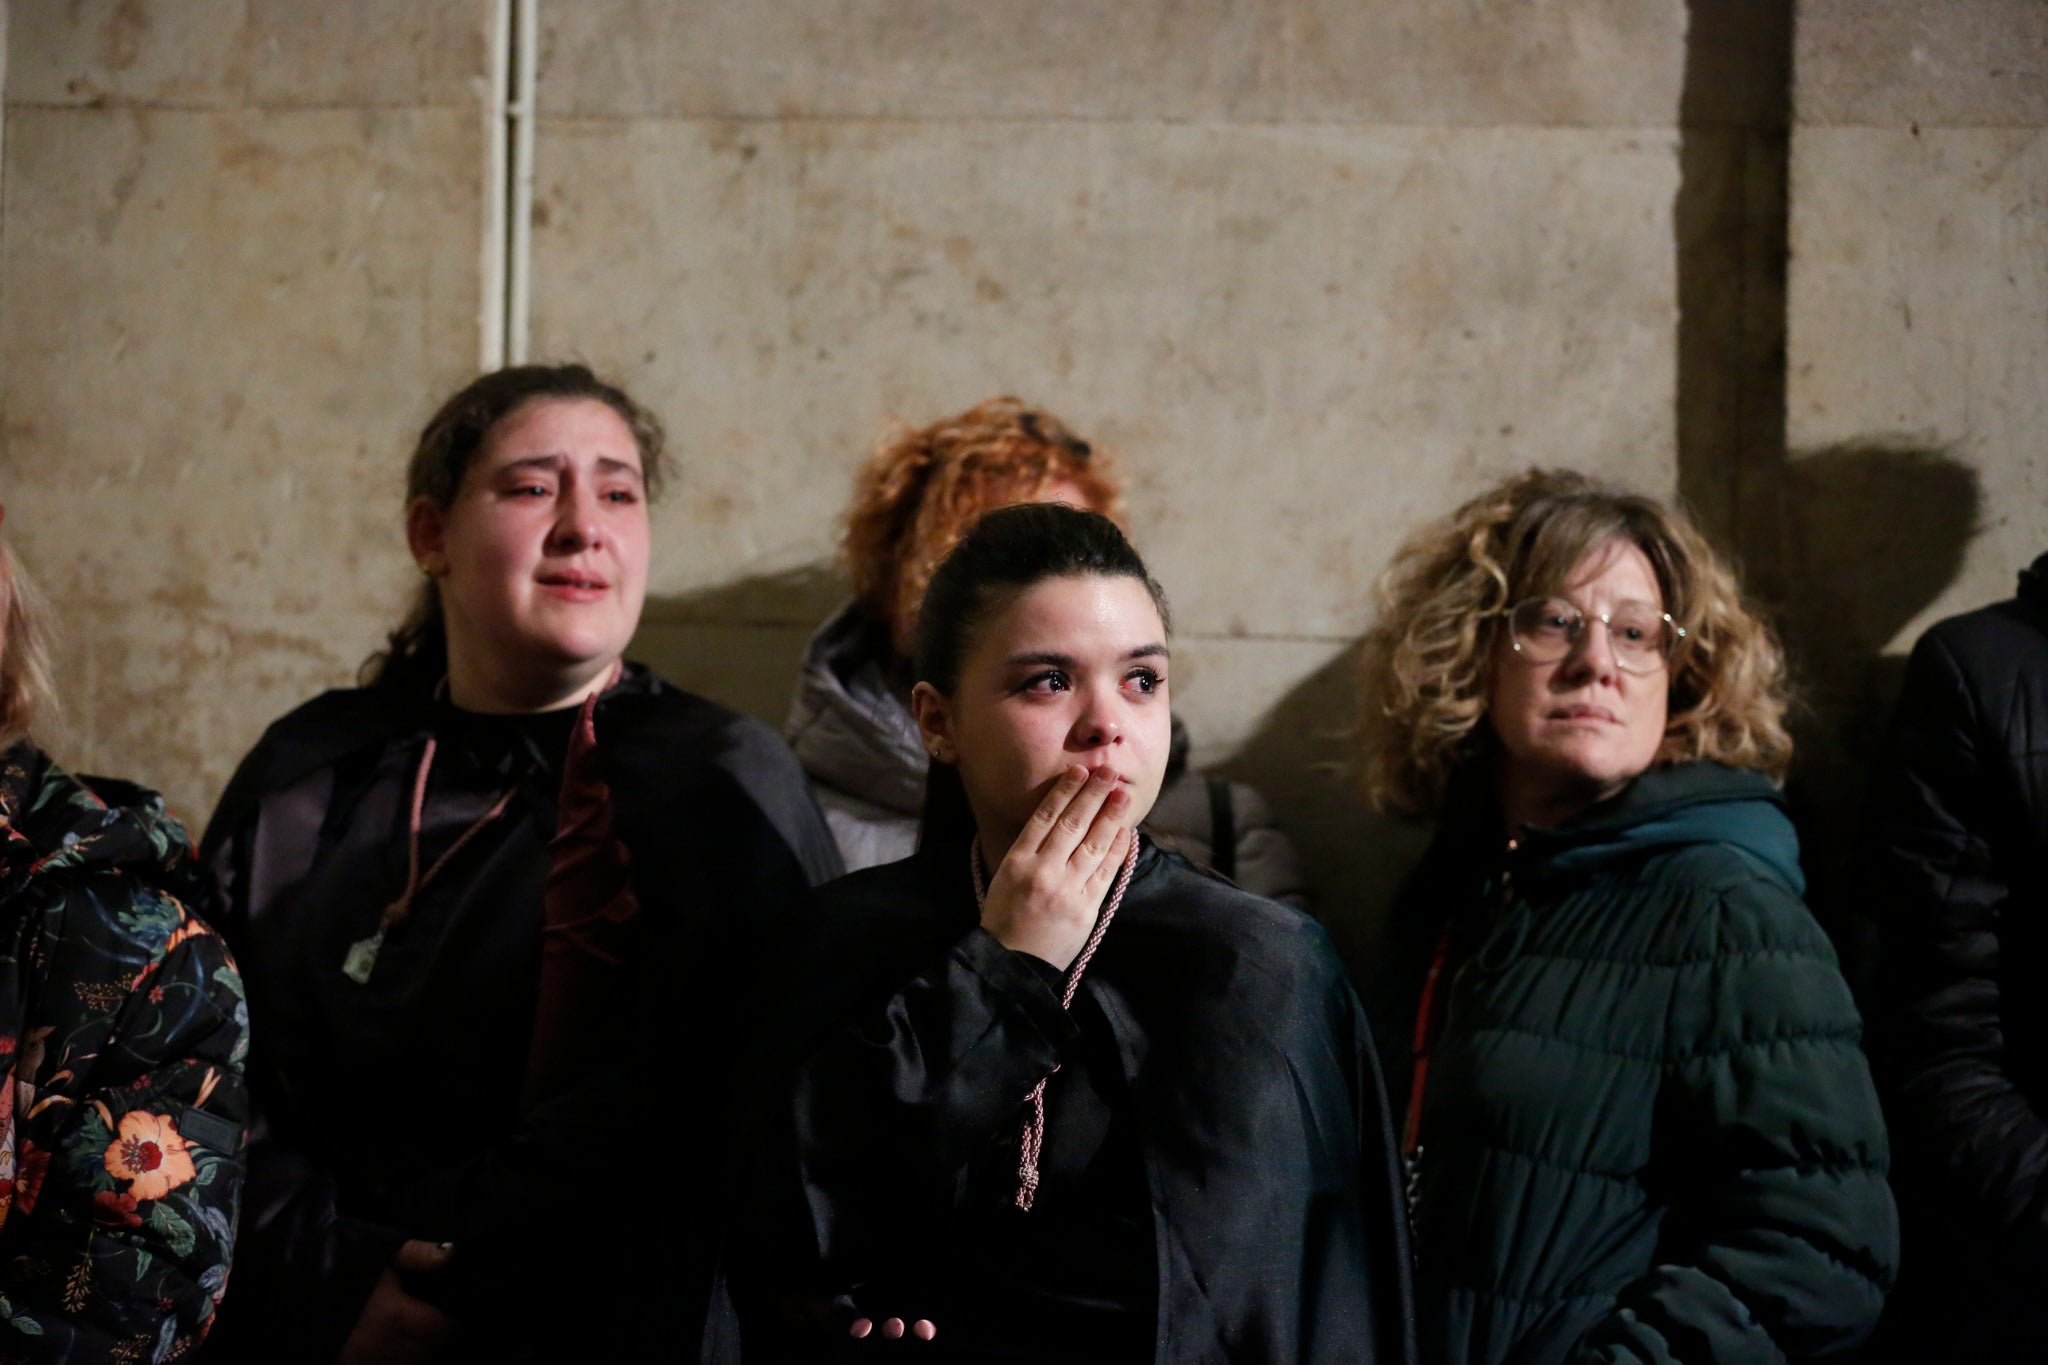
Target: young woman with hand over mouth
1044, 1090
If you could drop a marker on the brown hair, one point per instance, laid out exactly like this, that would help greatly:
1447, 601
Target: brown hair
25, 687
1427, 661
923, 489
416, 654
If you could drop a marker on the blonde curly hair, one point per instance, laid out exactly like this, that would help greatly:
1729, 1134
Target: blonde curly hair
25, 687
924, 488
1427, 663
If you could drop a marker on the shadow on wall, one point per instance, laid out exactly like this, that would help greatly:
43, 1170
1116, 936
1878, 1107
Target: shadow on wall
1731, 224
741, 643
1874, 532
1301, 760
1840, 546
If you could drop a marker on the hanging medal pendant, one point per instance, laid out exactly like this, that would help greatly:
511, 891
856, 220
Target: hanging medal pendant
362, 958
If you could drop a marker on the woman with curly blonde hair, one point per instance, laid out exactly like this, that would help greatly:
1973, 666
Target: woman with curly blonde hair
1640, 1126
850, 723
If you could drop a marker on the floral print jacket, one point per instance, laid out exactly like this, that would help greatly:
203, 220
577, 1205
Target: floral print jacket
122, 1110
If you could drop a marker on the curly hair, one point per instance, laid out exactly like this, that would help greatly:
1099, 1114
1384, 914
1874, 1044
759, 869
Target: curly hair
25, 687
1427, 663
416, 653
922, 490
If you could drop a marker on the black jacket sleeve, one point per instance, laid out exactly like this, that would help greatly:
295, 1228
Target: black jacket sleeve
1945, 847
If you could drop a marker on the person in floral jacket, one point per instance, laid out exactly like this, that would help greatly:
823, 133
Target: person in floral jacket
122, 1032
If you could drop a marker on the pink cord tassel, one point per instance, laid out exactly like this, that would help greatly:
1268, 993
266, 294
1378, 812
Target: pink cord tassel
1032, 1142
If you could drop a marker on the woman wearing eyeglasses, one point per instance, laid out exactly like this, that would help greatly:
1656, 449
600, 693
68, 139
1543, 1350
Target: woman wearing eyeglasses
1639, 1123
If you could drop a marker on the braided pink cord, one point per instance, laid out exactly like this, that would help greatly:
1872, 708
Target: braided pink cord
1032, 1142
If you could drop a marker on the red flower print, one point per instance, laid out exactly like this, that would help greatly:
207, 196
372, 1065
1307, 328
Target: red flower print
116, 1210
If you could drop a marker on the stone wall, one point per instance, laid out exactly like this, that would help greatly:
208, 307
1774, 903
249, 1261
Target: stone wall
1911, 481
1313, 269
239, 245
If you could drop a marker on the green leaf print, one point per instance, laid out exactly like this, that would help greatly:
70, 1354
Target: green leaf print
175, 1230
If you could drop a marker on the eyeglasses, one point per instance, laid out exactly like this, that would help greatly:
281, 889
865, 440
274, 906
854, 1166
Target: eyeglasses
1547, 629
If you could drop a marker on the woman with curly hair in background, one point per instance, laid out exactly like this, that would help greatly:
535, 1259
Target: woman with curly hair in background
122, 1032
1640, 1126
850, 722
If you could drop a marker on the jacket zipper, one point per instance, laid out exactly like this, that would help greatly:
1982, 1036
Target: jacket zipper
1428, 1030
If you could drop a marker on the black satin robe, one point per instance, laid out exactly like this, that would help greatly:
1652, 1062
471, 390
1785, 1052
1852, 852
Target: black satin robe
585, 1225
1244, 1075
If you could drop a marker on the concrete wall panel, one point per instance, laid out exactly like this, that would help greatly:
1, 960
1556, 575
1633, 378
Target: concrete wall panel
368, 52
173, 52
914, 59
1896, 63
1491, 63
1378, 322
1606, 63
231, 53
1919, 285
221, 330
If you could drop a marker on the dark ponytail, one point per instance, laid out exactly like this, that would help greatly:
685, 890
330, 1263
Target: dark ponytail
1007, 551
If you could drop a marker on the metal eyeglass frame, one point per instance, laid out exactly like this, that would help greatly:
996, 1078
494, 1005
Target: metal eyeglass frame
1667, 656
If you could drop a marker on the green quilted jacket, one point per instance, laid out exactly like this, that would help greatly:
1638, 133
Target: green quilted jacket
1648, 1132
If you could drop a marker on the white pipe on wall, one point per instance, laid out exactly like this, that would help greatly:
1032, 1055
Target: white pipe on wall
491, 307
521, 115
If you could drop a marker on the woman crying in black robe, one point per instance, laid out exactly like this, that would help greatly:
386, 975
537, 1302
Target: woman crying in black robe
1056, 1093
488, 906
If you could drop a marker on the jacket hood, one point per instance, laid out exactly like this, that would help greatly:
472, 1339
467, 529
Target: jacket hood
847, 725
1694, 803
52, 822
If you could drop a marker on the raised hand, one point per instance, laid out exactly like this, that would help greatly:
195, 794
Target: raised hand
1044, 896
